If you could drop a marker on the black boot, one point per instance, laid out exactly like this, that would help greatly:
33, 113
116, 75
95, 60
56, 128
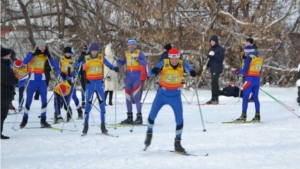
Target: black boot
110, 97
24, 122
103, 128
148, 138
256, 117
69, 115
105, 96
139, 119
80, 114
85, 128
242, 118
178, 146
58, 119
129, 119
44, 124
4, 137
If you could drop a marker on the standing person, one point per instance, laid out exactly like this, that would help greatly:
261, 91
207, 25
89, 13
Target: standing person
20, 70
216, 57
298, 84
94, 63
8, 79
133, 59
109, 76
36, 61
171, 71
165, 54
252, 71
82, 74
13, 57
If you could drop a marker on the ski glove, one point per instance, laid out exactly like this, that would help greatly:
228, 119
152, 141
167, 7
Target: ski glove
193, 73
236, 71
155, 70
211, 53
116, 69
204, 67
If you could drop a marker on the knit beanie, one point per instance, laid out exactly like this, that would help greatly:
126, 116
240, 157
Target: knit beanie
18, 63
68, 49
250, 40
174, 53
167, 46
94, 46
4, 52
40, 42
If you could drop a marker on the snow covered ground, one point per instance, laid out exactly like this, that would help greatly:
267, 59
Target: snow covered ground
272, 144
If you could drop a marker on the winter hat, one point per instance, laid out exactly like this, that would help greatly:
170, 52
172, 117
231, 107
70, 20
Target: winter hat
4, 52
18, 63
250, 40
94, 46
40, 42
167, 46
248, 49
68, 49
174, 53
131, 41
214, 38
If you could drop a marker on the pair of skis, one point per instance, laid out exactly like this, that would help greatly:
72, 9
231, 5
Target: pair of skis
179, 153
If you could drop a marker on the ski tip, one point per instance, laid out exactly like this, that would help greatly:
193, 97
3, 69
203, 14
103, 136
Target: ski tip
206, 155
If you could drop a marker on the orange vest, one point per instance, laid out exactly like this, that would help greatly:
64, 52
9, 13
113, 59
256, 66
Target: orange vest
58, 90
94, 67
171, 78
37, 64
65, 63
131, 63
255, 66
20, 71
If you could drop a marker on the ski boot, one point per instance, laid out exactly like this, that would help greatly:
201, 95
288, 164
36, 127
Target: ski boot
129, 119
242, 118
85, 128
138, 120
58, 119
103, 128
80, 116
256, 117
24, 122
148, 138
69, 115
178, 147
44, 124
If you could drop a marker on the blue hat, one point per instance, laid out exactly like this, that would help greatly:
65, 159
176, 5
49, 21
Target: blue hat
94, 46
131, 41
249, 49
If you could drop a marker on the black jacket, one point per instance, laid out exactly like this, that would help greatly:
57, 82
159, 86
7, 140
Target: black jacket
164, 55
215, 62
8, 79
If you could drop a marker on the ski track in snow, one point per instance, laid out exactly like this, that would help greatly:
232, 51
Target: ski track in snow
272, 144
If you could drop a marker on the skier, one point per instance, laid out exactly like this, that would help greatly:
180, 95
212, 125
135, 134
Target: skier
216, 57
109, 76
171, 71
66, 64
133, 59
20, 70
94, 82
62, 91
36, 61
8, 79
82, 74
298, 84
252, 71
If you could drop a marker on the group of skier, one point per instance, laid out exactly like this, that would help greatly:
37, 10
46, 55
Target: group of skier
96, 71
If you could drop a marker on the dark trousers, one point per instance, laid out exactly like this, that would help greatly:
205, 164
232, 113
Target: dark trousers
215, 86
37, 93
4, 110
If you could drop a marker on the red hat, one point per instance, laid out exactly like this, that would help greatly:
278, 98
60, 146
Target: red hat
174, 53
18, 63
63, 88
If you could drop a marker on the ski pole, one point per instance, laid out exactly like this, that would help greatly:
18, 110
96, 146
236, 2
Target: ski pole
281, 103
203, 71
195, 88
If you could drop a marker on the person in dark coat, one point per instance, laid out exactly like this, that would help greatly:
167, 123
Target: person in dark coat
8, 79
216, 56
165, 54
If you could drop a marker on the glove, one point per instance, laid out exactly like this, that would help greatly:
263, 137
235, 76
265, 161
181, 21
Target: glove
81, 57
204, 67
116, 69
236, 71
155, 70
211, 53
193, 73
63, 75
46, 52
